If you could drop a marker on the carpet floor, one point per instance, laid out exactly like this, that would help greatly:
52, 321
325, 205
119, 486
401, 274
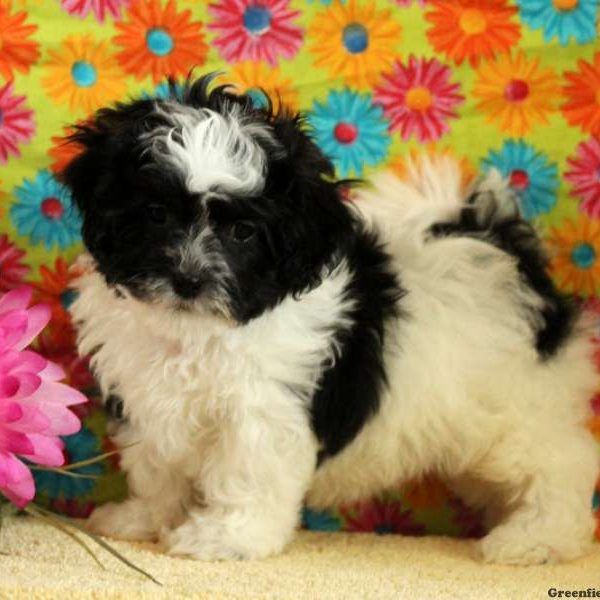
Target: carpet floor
37, 561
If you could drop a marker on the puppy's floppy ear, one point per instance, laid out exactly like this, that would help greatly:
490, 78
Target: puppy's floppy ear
319, 222
103, 143
303, 154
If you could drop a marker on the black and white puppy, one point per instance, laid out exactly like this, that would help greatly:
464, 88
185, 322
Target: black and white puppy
272, 343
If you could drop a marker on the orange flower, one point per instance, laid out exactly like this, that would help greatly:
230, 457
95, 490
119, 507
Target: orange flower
471, 29
582, 93
399, 163
594, 426
575, 255
53, 289
62, 151
250, 78
426, 493
159, 41
516, 93
17, 53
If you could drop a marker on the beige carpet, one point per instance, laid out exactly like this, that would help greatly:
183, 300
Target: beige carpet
38, 562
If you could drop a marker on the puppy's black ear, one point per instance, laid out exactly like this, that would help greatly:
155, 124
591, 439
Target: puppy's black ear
102, 144
321, 223
303, 154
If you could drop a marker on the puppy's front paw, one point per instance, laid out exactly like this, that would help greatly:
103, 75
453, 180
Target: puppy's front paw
126, 521
513, 546
205, 537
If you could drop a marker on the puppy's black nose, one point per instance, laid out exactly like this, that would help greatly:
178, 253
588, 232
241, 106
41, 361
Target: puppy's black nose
187, 287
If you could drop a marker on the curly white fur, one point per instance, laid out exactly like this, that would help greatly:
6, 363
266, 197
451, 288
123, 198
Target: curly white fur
224, 453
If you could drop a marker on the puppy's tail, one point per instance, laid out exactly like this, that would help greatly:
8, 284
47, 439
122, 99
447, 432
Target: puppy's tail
491, 213
430, 190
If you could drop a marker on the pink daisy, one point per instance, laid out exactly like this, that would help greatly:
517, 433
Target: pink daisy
34, 405
81, 8
16, 122
255, 30
584, 175
418, 98
380, 517
12, 270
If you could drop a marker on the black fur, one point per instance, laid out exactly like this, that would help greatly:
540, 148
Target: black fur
350, 391
517, 237
134, 209
299, 217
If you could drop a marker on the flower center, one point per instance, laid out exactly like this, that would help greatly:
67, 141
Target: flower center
472, 21
52, 208
516, 90
257, 19
519, 179
583, 255
355, 38
345, 133
565, 4
68, 297
84, 74
419, 98
159, 41
257, 97
383, 529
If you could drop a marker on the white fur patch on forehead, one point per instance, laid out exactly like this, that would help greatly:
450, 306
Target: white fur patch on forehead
212, 151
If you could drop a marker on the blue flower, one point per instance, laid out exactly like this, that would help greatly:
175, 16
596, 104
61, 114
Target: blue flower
80, 446
530, 174
44, 212
596, 500
317, 520
350, 130
562, 18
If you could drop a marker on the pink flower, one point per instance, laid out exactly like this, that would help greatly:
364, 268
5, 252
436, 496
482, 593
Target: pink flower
407, 3
33, 403
418, 98
81, 8
255, 30
12, 270
584, 175
16, 122
381, 517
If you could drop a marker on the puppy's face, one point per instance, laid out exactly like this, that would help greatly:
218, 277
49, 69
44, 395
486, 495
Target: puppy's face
202, 202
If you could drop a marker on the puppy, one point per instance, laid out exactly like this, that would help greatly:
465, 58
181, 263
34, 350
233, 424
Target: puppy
272, 343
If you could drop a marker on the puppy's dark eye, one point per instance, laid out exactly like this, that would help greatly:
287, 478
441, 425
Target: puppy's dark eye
157, 214
242, 231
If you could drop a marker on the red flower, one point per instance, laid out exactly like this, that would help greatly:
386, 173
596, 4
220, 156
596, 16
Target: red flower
381, 517
584, 175
582, 93
471, 29
12, 270
255, 30
418, 98
159, 41
72, 508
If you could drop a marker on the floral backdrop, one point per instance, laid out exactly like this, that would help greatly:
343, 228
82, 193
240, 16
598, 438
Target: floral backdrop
511, 85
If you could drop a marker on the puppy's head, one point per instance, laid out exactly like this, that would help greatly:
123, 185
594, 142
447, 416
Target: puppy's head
204, 202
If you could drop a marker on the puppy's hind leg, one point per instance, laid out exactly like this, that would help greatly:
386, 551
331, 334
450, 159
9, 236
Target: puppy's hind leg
548, 490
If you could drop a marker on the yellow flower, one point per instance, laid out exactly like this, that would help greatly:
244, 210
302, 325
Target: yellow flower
399, 164
354, 42
516, 93
254, 78
575, 255
83, 74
